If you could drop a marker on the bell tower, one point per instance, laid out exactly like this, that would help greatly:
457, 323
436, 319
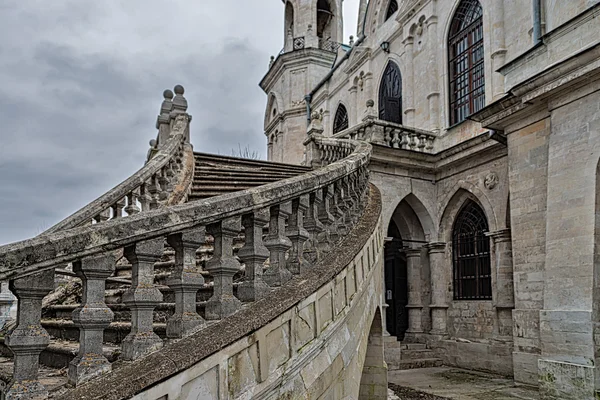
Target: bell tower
313, 33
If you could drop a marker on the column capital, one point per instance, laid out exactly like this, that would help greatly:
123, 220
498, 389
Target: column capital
436, 247
412, 252
502, 235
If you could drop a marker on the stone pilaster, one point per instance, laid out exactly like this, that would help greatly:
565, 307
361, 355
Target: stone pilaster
298, 236
141, 298
409, 109
92, 317
415, 303
28, 339
185, 281
223, 266
504, 291
253, 254
277, 243
440, 282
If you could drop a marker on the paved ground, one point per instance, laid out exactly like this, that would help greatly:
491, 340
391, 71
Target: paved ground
454, 383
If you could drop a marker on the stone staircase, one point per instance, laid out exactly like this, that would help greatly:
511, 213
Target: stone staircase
402, 356
215, 175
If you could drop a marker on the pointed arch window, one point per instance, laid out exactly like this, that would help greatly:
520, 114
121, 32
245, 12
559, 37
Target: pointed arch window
465, 46
340, 121
390, 94
392, 8
471, 254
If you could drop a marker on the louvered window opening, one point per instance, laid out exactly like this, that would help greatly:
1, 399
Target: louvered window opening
340, 121
467, 76
471, 255
392, 8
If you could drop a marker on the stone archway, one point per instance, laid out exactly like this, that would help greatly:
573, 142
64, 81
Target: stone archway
373, 382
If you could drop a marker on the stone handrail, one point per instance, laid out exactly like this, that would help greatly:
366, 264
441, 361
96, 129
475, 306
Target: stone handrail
390, 134
152, 185
319, 206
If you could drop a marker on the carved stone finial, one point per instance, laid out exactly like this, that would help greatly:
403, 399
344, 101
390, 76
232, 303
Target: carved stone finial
165, 108
351, 40
153, 143
180, 103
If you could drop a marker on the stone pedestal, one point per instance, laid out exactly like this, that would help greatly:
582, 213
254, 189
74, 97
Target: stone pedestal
185, 281
92, 318
28, 339
142, 298
415, 305
223, 266
440, 282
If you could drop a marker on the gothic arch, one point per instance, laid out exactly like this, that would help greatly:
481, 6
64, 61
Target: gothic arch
390, 93
289, 19
331, 27
341, 119
453, 202
419, 213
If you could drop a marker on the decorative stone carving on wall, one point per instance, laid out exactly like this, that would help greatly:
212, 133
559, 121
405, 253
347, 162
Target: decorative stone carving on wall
491, 181
297, 103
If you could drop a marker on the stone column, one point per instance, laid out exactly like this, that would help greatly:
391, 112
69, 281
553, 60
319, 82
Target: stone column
502, 271
409, 107
253, 254
277, 242
92, 317
415, 303
141, 298
440, 282
28, 339
185, 281
298, 236
223, 266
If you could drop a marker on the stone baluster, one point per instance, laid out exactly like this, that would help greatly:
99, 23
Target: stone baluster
313, 226
141, 298
223, 266
132, 207
92, 317
396, 140
422, 142
165, 186
350, 212
298, 235
412, 141
324, 239
440, 282
145, 197
117, 209
7, 299
154, 192
429, 145
404, 141
355, 195
103, 216
278, 244
28, 339
185, 281
339, 207
415, 303
386, 136
253, 254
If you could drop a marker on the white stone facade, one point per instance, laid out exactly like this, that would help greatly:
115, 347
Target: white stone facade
538, 188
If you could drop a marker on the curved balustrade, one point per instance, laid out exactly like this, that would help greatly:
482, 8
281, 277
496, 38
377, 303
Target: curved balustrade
391, 135
154, 183
29, 265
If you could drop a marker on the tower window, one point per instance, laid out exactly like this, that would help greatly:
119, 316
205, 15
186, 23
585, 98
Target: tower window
471, 254
392, 8
324, 17
466, 61
340, 121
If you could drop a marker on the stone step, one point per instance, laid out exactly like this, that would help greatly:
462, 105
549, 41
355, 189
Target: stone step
414, 364
205, 158
211, 174
398, 354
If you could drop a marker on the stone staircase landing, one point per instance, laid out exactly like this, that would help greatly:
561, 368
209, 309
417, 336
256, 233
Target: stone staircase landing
402, 356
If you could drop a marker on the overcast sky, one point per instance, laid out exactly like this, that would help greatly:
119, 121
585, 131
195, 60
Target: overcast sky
81, 83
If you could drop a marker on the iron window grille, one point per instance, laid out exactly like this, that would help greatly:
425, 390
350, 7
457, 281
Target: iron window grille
340, 121
466, 61
471, 254
299, 43
390, 95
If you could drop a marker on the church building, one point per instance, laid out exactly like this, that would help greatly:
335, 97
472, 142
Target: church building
484, 117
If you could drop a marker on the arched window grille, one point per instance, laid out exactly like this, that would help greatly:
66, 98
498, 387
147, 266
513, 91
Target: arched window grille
340, 121
471, 254
465, 46
392, 8
390, 94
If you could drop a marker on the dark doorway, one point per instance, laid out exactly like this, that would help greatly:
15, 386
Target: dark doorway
390, 95
396, 284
